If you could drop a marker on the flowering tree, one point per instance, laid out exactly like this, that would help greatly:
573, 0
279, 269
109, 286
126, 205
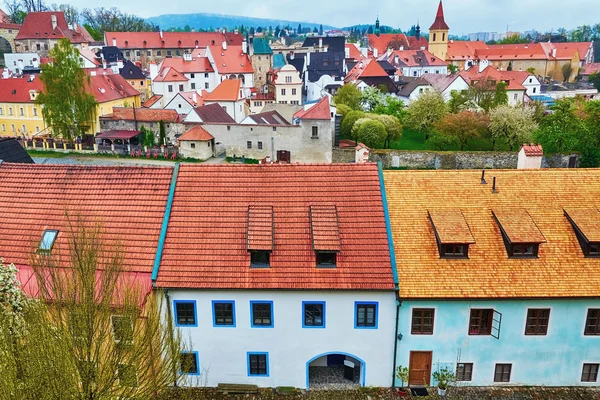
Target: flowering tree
12, 298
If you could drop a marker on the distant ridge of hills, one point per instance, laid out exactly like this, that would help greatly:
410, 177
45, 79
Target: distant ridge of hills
208, 21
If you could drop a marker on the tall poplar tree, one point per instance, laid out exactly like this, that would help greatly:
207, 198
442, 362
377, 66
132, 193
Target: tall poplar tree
67, 107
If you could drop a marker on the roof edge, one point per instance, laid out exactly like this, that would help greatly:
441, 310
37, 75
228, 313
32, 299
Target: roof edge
165, 225
388, 226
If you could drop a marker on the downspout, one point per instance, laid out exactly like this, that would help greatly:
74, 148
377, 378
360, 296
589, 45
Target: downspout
388, 227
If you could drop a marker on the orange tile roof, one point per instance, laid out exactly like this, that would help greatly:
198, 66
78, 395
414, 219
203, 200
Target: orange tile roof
227, 90
491, 74
518, 226
152, 100
324, 228
355, 53
196, 65
196, 133
365, 69
231, 61
569, 47
206, 246
170, 74
112, 87
129, 202
450, 226
464, 50
533, 150
561, 270
590, 69
260, 228
318, 111
143, 115
413, 58
169, 40
587, 221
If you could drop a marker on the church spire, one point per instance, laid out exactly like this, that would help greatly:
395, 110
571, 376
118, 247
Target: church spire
377, 29
439, 22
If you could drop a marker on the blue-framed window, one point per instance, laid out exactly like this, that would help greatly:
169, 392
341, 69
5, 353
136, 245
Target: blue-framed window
185, 313
258, 364
313, 314
189, 363
365, 314
223, 313
261, 314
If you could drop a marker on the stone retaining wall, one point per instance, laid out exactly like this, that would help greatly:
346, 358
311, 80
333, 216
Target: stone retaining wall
459, 160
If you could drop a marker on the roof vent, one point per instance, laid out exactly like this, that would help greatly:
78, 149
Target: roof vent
483, 182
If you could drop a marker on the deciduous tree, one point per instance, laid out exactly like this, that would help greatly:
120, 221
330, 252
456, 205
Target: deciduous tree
463, 127
67, 107
393, 127
512, 125
348, 122
371, 132
371, 98
350, 96
426, 111
563, 131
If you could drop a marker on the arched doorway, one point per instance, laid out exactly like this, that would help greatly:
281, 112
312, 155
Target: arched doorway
5, 47
335, 370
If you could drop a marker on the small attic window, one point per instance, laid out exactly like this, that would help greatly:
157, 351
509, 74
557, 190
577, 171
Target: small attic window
520, 234
260, 259
326, 259
325, 234
452, 233
47, 242
586, 224
259, 235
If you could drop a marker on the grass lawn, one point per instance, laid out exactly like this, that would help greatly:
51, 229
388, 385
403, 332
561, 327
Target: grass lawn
412, 140
47, 154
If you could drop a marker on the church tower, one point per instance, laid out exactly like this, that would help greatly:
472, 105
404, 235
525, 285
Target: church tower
438, 35
377, 27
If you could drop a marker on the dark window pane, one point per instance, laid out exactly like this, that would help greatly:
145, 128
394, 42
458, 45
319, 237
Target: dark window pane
122, 328
422, 321
366, 315
259, 258
502, 373
258, 364
223, 313
480, 322
326, 259
464, 371
313, 314
261, 314
592, 322
537, 321
185, 313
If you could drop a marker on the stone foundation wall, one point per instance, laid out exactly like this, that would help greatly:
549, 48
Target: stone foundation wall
341, 155
459, 160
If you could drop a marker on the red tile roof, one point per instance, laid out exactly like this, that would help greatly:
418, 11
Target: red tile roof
395, 41
413, 58
589, 69
197, 65
324, 228
464, 50
206, 247
196, 133
38, 25
582, 47
169, 40
110, 87
533, 150
491, 74
364, 69
318, 111
16, 90
143, 115
355, 53
231, 61
228, 90
259, 235
170, 74
439, 22
129, 202
8, 25
152, 100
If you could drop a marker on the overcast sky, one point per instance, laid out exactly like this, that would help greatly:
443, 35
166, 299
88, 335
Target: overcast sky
463, 16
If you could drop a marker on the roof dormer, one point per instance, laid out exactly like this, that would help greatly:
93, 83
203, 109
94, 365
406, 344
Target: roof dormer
325, 233
259, 235
586, 224
520, 233
452, 233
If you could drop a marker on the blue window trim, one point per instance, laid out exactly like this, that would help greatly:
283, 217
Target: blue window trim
197, 364
358, 303
232, 302
258, 353
270, 302
304, 303
175, 302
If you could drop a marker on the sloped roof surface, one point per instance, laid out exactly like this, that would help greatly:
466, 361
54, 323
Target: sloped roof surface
561, 270
129, 202
206, 241
228, 90
196, 133
143, 115
12, 151
261, 46
214, 113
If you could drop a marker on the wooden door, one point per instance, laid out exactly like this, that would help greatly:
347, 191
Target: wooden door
420, 368
284, 156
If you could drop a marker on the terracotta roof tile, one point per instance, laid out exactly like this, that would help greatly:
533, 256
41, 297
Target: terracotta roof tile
38, 25
196, 133
590, 69
213, 113
152, 100
324, 228
231, 61
129, 202
206, 240
169, 40
196, 65
561, 270
533, 150
228, 90
587, 221
451, 227
260, 228
143, 115
318, 111
170, 74
518, 226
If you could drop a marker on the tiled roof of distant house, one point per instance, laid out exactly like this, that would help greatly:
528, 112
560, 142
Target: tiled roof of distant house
143, 115
589, 69
231, 61
409, 84
491, 74
333, 43
228, 90
325, 63
533, 150
196, 133
219, 258
213, 113
395, 41
131, 71
320, 110
170, 74
413, 58
546, 196
268, 118
170, 40
196, 65
152, 100
354, 52
278, 61
110, 87
16, 90
439, 81
38, 25
129, 202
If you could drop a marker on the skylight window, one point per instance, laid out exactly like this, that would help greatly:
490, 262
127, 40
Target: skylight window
452, 233
48, 239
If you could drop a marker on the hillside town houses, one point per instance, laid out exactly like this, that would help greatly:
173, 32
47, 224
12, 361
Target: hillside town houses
283, 265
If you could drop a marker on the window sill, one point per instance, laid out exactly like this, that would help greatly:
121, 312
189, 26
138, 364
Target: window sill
314, 137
